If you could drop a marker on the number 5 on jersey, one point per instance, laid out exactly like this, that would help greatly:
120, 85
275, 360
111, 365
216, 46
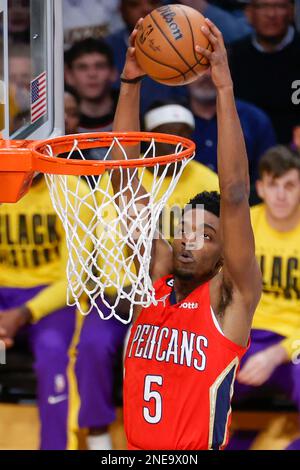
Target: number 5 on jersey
156, 396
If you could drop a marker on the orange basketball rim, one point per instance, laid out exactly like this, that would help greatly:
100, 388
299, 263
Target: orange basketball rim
20, 160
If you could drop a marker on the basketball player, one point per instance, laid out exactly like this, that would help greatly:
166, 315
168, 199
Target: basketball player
183, 354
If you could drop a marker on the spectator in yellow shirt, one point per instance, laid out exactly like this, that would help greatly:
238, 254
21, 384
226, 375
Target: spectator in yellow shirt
272, 361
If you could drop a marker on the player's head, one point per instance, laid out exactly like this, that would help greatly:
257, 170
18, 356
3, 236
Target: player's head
270, 18
279, 182
197, 250
72, 114
90, 68
203, 90
169, 117
133, 10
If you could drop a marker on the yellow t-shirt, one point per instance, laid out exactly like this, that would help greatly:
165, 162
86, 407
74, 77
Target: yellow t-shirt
194, 179
278, 254
33, 249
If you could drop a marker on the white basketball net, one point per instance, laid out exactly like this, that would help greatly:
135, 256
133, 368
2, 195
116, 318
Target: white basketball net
104, 238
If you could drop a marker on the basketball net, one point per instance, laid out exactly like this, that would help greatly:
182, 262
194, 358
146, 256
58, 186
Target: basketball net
118, 231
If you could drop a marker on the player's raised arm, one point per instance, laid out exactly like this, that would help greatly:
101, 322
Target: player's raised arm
127, 119
240, 264
127, 116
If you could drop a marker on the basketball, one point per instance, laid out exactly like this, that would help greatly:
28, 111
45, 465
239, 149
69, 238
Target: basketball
165, 45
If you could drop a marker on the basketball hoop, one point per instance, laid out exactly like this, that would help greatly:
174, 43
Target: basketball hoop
114, 246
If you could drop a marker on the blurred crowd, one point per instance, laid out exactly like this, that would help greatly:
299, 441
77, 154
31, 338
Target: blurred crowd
263, 43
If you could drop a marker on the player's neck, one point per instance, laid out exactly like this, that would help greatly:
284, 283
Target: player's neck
97, 108
204, 110
284, 225
183, 287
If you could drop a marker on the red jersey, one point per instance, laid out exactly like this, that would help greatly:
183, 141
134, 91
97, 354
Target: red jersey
179, 374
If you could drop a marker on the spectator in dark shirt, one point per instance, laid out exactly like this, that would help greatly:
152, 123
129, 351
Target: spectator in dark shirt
265, 65
257, 128
230, 21
90, 71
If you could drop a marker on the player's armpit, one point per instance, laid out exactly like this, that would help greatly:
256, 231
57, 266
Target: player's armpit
240, 265
235, 311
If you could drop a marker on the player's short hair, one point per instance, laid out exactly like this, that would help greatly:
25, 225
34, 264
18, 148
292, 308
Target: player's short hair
89, 46
277, 161
210, 200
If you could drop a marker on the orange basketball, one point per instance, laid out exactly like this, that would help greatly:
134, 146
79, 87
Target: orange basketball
165, 45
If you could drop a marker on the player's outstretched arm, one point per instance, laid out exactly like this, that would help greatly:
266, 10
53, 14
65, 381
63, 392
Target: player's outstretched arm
127, 119
127, 116
240, 264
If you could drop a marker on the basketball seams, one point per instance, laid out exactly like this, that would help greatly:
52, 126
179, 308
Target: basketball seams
158, 62
192, 34
170, 43
184, 65
175, 76
193, 39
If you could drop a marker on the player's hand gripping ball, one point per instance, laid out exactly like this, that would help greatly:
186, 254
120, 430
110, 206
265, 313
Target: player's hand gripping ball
165, 45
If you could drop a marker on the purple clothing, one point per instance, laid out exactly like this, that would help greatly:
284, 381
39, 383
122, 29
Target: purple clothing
49, 340
285, 379
100, 342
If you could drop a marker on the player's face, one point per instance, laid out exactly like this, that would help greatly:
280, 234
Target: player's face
281, 195
133, 10
71, 114
91, 76
197, 252
270, 18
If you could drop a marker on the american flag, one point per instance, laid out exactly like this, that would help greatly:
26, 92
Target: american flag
38, 88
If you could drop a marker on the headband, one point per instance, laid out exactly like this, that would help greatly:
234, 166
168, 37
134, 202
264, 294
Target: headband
167, 114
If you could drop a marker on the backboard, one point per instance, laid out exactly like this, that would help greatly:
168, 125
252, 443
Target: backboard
31, 69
